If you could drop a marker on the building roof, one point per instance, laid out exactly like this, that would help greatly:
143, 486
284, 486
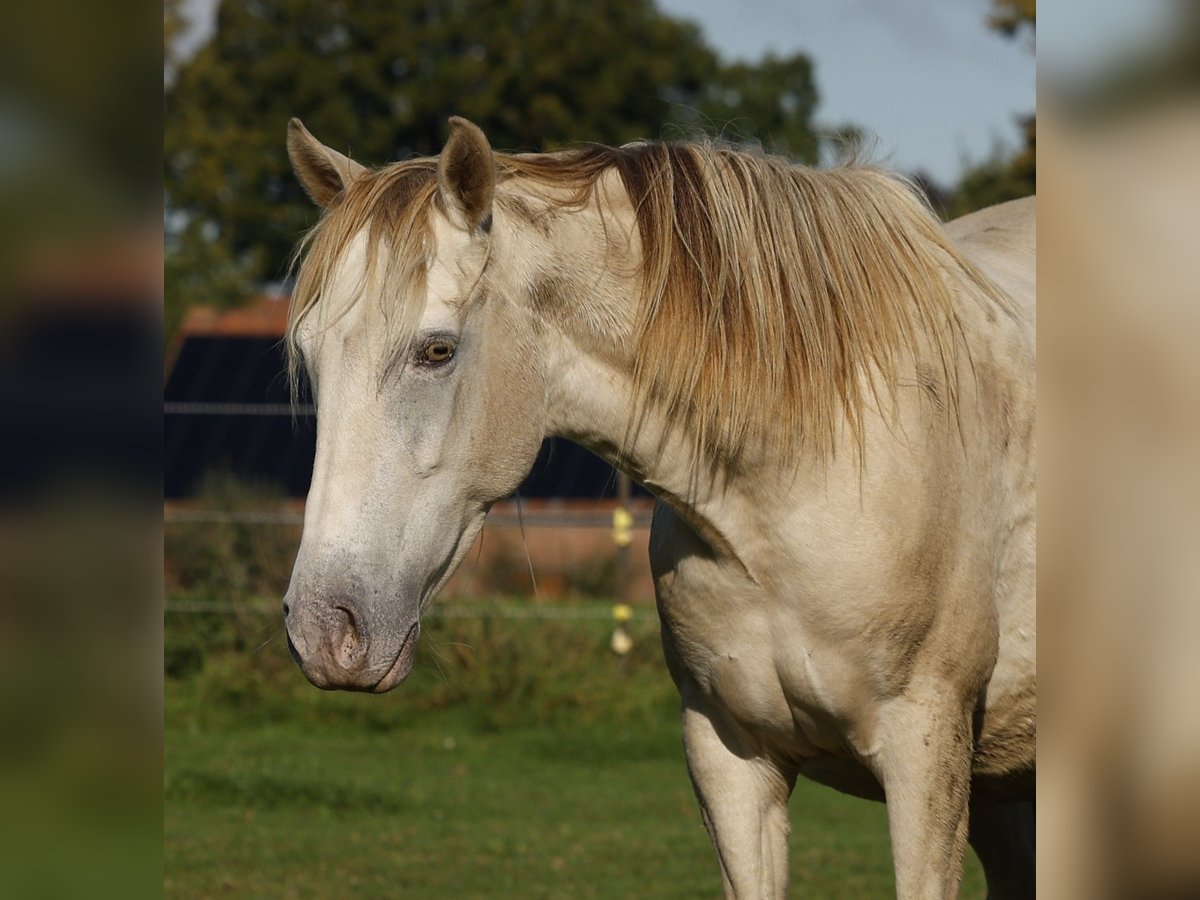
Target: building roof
265, 316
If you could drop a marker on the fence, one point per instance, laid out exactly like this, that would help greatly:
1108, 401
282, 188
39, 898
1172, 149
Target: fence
549, 549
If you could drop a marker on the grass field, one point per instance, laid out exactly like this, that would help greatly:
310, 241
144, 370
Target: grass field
519, 761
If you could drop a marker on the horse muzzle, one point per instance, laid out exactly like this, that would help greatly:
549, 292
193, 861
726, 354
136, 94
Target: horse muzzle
338, 647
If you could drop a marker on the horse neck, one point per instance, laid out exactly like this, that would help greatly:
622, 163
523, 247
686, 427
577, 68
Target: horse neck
591, 402
590, 388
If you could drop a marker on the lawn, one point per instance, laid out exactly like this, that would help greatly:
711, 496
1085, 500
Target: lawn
520, 761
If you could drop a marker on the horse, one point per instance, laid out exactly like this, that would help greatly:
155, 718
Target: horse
830, 394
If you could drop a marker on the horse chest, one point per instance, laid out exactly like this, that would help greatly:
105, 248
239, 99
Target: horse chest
726, 639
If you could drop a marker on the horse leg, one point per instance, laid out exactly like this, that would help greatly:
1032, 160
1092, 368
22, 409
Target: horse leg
923, 761
743, 800
1003, 838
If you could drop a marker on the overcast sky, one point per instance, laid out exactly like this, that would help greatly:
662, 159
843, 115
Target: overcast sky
926, 78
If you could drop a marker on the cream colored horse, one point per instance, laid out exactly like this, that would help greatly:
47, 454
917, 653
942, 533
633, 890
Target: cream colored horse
832, 397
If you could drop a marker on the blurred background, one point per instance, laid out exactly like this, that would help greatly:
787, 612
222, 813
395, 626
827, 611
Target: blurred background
525, 756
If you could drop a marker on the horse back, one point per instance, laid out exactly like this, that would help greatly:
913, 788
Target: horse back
1002, 241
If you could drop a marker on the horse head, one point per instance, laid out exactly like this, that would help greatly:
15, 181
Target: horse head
429, 391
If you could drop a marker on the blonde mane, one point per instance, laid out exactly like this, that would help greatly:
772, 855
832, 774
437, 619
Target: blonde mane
773, 295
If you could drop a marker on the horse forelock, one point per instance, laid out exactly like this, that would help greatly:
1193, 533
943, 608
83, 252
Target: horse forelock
391, 209
774, 298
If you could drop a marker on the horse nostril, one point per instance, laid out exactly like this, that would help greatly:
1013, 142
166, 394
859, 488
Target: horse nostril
349, 639
287, 609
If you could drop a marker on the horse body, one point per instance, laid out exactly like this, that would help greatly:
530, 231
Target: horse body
880, 596
862, 616
848, 588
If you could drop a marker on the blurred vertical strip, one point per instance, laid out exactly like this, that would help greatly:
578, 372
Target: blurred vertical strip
80, 446
1119, 568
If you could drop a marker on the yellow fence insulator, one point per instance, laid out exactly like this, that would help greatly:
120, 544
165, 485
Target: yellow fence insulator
622, 527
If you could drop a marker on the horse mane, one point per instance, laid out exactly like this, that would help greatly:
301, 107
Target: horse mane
773, 295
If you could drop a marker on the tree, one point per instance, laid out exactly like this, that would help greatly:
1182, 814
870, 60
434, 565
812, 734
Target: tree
770, 102
1011, 17
175, 23
378, 80
998, 179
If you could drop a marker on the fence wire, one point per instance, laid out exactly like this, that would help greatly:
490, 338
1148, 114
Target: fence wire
601, 518
455, 611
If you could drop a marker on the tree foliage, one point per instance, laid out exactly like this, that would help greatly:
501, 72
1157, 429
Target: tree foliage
1001, 177
378, 79
770, 102
1011, 17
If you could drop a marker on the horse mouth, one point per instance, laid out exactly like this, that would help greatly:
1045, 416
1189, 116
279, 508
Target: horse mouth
402, 665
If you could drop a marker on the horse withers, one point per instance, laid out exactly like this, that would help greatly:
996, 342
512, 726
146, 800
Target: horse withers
830, 394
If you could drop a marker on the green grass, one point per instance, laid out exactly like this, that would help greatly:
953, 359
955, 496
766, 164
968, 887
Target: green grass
519, 761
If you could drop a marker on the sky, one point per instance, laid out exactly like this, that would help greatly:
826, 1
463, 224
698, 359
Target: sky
930, 85
928, 82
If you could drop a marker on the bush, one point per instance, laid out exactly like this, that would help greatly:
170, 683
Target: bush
226, 657
495, 671
231, 560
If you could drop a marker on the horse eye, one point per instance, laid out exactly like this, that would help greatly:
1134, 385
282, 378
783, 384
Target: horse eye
437, 352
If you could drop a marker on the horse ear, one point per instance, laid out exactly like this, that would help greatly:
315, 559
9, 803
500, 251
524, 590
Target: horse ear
325, 173
467, 175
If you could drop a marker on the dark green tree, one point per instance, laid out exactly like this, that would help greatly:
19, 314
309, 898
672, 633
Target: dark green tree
1012, 17
1001, 178
770, 102
378, 79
